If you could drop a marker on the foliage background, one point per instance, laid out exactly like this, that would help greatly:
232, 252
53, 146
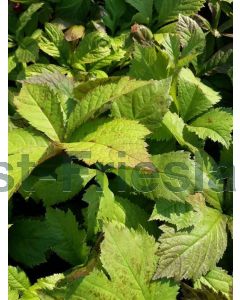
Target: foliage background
134, 81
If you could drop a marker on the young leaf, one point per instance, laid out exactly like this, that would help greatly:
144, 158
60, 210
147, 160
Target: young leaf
216, 124
41, 107
130, 267
187, 255
110, 142
194, 97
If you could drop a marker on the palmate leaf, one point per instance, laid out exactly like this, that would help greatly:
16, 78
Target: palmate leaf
99, 94
168, 10
130, 267
110, 142
194, 97
41, 107
190, 254
216, 124
27, 149
218, 280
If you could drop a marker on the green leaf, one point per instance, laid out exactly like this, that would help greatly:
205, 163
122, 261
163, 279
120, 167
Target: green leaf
26, 17
209, 179
41, 107
12, 63
191, 36
98, 98
27, 149
199, 294
217, 280
169, 10
144, 7
17, 279
172, 179
110, 142
176, 127
216, 124
103, 207
114, 11
53, 42
194, 97
148, 64
179, 214
220, 62
44, 287
27, 50
56, 184
130, 267
68, 241
73, 10
147, 104
59, 83
191, 254
37, 69
12, 294
93, 47
29, 242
